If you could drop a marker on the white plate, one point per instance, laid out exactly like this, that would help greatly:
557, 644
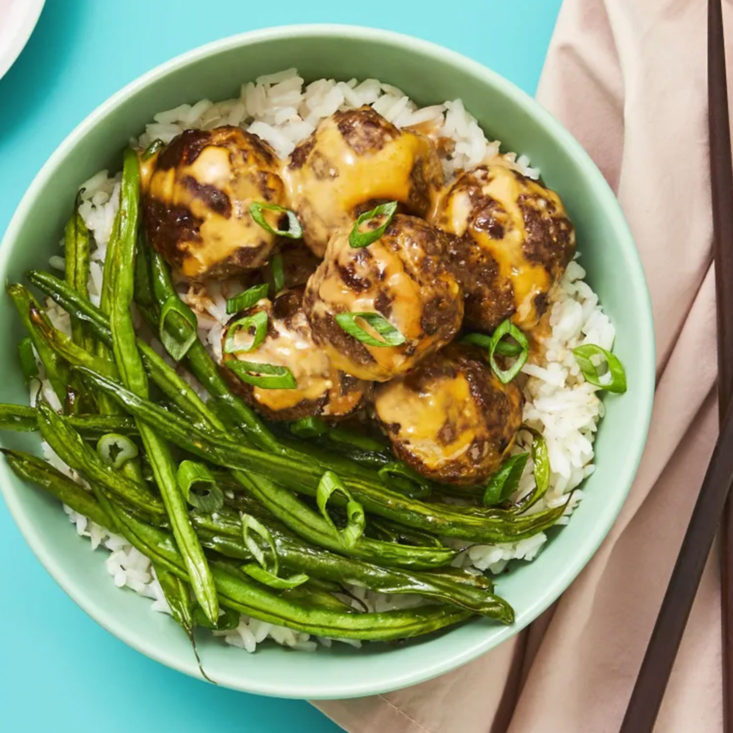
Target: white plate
18, 18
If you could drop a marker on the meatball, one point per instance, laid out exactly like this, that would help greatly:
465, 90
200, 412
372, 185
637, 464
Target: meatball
196, 197
403, 277
298, 263
321, 389
352, 161
513, 240
450, 418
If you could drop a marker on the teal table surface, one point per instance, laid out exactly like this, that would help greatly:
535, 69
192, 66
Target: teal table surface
59, 671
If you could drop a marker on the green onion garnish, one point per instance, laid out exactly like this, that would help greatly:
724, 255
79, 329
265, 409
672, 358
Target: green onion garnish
274, 581
174, 306
266, 376
505, 481
507, 328
199, 487
258, 321
266, 569
152, 149
308, 427
391, 336
294, 230
329, 484
360, 238
612, 375
115, 450
27, 358
247, 298
503, 348
400, 477
250, 526
278, 274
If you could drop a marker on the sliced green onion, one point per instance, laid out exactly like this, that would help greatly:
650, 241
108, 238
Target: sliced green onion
27, 358
400, 477
360, 238
199, 487
390, 335
247, 298
503, 348
507, 328
329, 484
265, 571
278, 273
116, 450
308, 427
152, 149
177, 349
265, 376
251, 526
274, 581
294, 230
505, 481
258, 321
612, 375
481, 340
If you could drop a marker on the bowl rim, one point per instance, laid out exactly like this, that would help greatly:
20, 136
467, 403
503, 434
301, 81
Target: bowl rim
645, 360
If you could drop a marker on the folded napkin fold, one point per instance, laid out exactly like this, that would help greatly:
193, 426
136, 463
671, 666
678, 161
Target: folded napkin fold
628, 79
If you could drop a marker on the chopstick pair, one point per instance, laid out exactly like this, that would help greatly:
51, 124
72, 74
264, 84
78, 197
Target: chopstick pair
651, 683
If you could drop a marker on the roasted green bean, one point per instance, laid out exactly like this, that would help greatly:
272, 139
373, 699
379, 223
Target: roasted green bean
234, 589
56, 371
132, 372
492, 525
74, 451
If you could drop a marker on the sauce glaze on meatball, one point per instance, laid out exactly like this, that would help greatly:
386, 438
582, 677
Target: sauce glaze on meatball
321, 389
403, 276
450, 418
513, 240
197, 194
352, 161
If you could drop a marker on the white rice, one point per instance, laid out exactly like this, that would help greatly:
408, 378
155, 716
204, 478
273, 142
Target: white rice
281, 109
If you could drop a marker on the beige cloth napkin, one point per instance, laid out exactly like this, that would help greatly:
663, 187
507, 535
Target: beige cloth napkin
628, 78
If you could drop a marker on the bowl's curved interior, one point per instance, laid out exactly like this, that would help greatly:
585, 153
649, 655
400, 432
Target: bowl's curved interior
428, 74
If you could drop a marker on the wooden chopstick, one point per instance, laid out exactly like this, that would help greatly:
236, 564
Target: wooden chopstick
662, 650
721, 179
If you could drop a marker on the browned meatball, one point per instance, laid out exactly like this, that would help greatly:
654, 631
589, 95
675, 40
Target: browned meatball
513, 240
353, 160
197, 194
321, 389
450, 418
298, 262
403, 277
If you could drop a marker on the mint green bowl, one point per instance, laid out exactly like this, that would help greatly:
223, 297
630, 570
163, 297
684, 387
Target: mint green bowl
429, 74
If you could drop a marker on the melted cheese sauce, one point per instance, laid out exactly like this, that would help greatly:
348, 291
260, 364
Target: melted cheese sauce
222, 168
386, 273
422, 415
335, 179
528, 279
293, 347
